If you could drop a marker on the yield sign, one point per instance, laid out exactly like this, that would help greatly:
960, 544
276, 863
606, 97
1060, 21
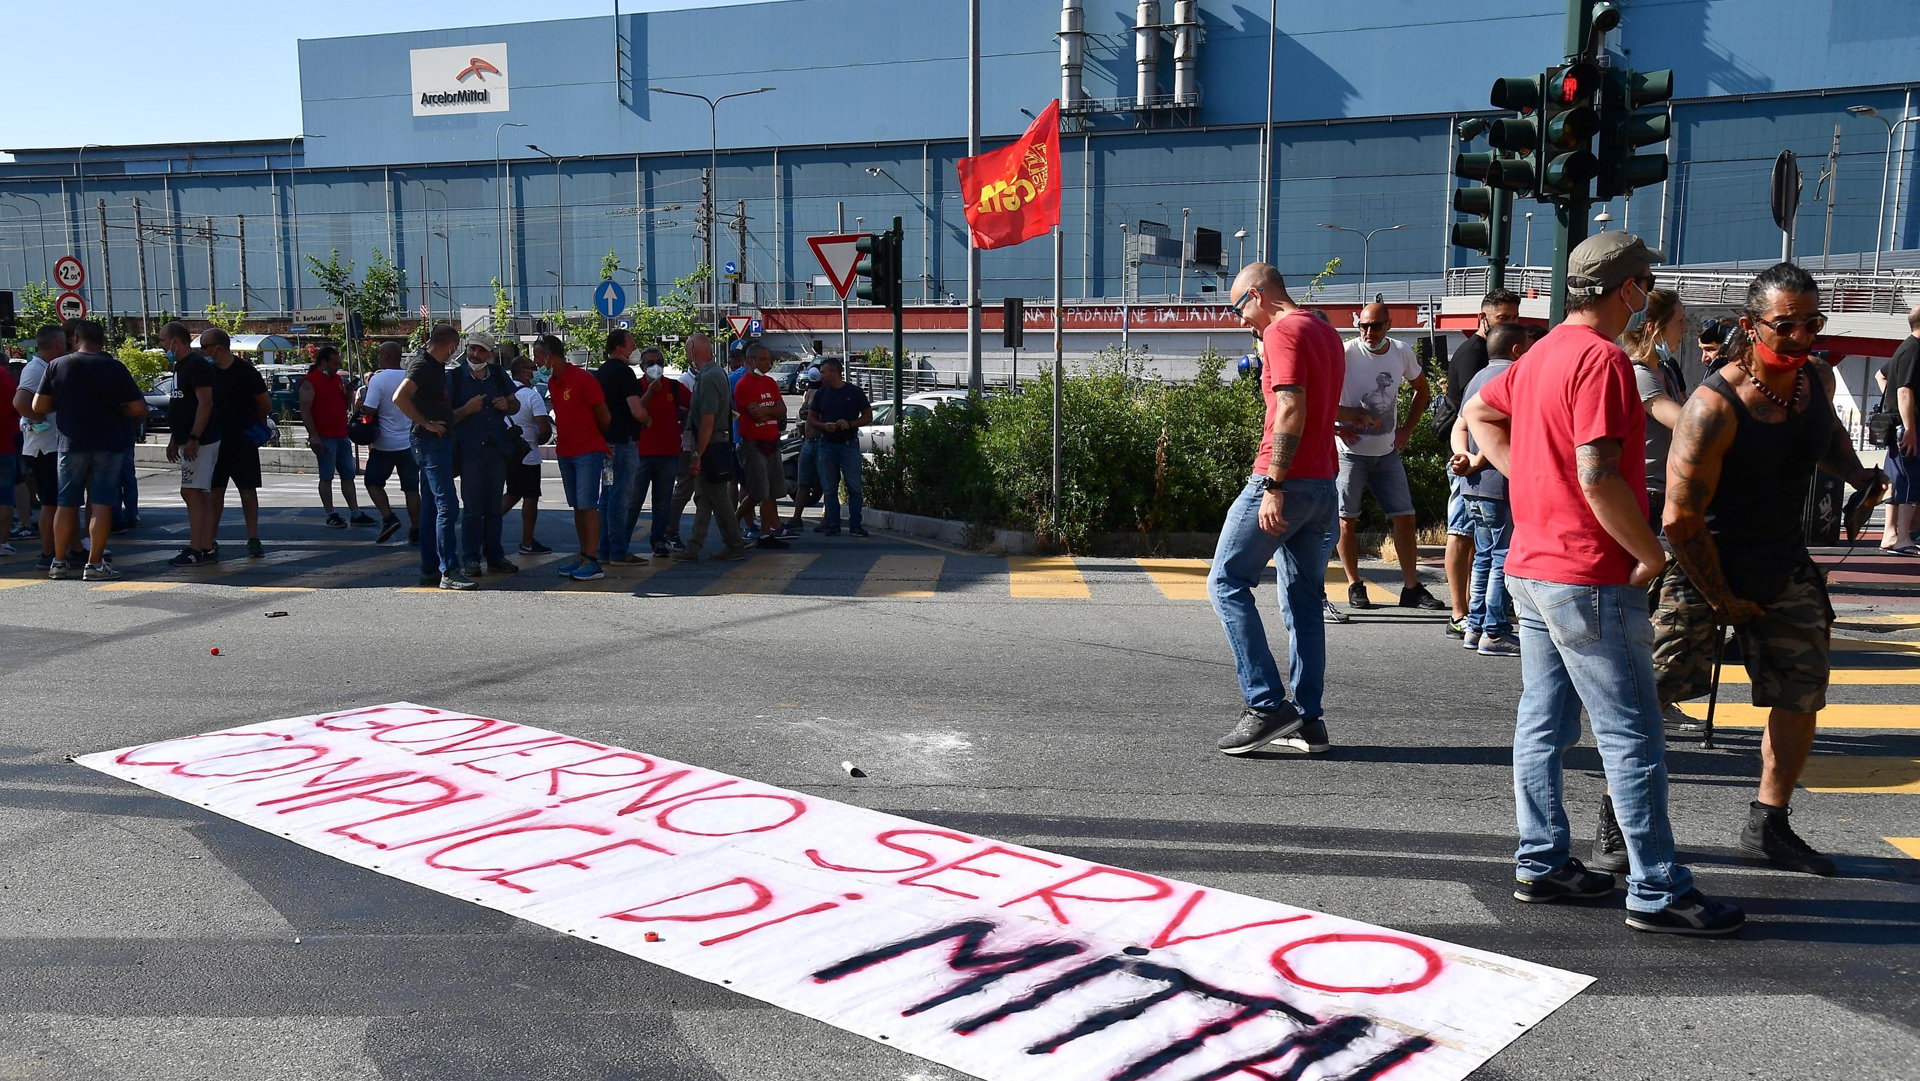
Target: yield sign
838, 255
740, 324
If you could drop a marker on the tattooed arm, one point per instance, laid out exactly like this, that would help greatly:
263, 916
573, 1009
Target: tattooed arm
1693, 473
1612, 500
1289, 423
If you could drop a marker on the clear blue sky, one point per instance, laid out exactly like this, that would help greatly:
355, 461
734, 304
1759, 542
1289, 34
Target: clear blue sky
183, 70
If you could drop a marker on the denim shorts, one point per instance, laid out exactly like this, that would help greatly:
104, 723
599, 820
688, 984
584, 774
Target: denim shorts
1458, 523
809, 466
1385, 475
90, 477
580, 479
336, 456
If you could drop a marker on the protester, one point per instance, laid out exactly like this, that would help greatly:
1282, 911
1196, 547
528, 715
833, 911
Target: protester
807, 475
242, 405
94, 396
1650, 346
1371, 439
1489, 624
711, 419
1286, 508
629, 419
1497, 307
581, 419
9, 454
194, 439
1742, 460
760, 406
1712, 338
683, 481
40, 435
1901, 397
482, 398
535, 422
422, 398
1566, 429
666, 402
392, 449
839, 410
323, 410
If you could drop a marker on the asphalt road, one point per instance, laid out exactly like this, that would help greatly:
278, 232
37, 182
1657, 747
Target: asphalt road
1068, 706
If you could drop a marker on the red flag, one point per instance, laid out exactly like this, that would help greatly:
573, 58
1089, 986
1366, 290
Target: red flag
1013, 194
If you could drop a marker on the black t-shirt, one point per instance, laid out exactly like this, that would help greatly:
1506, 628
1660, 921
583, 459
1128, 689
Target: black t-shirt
1902, 371
429, 377
618, 382
1468, 361
89, 390
235, 390
190, 373
846, 402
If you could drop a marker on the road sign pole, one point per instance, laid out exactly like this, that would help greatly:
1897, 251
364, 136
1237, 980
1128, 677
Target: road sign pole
1059, 367
846, 348
899, 330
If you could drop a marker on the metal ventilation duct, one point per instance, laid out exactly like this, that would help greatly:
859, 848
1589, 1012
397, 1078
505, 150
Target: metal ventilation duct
1146, 53
1186, 52
1073, 51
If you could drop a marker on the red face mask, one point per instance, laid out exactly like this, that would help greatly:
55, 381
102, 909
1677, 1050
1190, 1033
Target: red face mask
1775, 360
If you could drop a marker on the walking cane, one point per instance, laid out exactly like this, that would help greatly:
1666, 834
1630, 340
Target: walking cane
1713, 694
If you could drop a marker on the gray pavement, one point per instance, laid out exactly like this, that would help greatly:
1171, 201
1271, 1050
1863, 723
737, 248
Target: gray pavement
1070, 707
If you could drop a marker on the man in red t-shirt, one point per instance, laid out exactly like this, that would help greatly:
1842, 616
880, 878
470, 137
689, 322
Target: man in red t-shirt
1287, 507
757, 400
1567, 430
323, 409
580, 420
666, 402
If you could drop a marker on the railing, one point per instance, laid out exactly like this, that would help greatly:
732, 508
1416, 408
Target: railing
1886, 293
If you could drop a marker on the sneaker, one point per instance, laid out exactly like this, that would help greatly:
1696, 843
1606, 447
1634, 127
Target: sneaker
456, 580
1470, 639
501, 566
771, 542
1357, 597
1676, 719
1332, 614
675, 543
387, 529
661, 551
210, 555
1571, 880
429, 580
473, 570
1770, 837
99, 572
631, 559
42, 561
21, 532
7, 548
1311, 739
1257, 728
61, 569
254, 548
587, 571
334, 521
730, 554
535, 548
858, 531
751, 536
565, 570
187, 558
361, 517
1418, 597
828, 530
118, 528
1457, 628
791, 533
685, 555
1609, 845
1691, 913
1498, 647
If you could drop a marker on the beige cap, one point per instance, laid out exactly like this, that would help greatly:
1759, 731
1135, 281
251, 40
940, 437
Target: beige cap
1600, 263
482, 339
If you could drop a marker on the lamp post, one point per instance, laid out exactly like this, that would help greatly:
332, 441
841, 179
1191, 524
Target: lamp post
713, 181
1603, 219
1529, 238
499, 207
40, 214
559, 226
1241, 259
1124, 255
1366, 248
1185, 213
1881, 240
427, 231
80, 171
293, 212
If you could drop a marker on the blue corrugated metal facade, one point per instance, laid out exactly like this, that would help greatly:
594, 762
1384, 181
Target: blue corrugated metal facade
869, 108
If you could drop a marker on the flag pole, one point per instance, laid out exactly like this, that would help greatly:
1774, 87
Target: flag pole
973, 150
1059, 364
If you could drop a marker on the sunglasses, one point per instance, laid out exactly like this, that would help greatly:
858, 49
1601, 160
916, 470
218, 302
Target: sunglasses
1374, 326
1788, 328
1244, 297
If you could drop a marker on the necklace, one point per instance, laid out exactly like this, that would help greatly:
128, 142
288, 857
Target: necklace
1767, 392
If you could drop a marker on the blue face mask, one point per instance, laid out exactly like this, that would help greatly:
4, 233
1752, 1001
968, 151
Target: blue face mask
169, 355
1639, 317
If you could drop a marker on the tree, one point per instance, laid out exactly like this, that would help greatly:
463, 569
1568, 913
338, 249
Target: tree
502, 309
34, 308
225, 318
669, 323
374, 297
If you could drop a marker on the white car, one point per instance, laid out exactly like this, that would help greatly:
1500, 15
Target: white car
878, 436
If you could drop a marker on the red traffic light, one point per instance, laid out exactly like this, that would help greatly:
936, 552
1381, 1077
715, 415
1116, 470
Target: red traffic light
1577, 82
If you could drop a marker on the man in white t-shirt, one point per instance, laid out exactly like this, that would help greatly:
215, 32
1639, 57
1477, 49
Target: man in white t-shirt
535, 421
1371, 439
392, 449
39, 439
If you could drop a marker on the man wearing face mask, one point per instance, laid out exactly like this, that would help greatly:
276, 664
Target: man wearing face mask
194, 438
482, 397
1371, 438
1742, 459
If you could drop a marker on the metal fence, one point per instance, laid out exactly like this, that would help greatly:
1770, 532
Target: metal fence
1892, 292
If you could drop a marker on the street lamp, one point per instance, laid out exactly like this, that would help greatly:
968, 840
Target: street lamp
1881, 240
559, 224
1529, 238
1241, 236
80, 213
426, 227
293, 212
1603, 219
499, 207
40, 214
713, 177
1366, 247
1185, 213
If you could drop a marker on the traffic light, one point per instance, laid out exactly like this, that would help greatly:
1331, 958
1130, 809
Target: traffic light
1632, 115
1568, 121
1491, 236
1518, 136
879, 269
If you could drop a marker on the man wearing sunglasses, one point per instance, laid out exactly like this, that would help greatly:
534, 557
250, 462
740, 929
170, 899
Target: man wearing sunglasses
1737, 476
1285, 510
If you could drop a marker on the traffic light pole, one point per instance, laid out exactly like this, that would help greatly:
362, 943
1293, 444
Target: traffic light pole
1499, 236
1570, 214
899, 329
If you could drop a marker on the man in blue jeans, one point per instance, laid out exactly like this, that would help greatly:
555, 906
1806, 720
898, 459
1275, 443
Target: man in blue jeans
95, 397
1286, 509
838, 411
1567, 430
422, 396
627, 419
1484, 498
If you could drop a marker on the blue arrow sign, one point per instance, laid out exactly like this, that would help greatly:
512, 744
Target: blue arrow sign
730, 270
609, 299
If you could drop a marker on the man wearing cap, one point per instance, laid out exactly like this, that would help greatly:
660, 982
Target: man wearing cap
1742, 459
482, 398
1567, 430
807, 476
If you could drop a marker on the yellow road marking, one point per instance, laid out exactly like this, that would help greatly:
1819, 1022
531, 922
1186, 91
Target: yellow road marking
237, 564
1908, 845
620, 578
902, 576
321, 577
1842, 677
1867, 645
1745, 715
16, 583
1179, 579
1884, 620
1046, 577
137, 587
1860, 773
761, 574
278, 589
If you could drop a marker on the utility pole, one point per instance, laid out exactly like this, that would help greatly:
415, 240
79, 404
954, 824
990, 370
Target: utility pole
241, 229
140, 257
846, 341
705, 233
213, 293
1830, 176
973, 150
106, 263
740, 236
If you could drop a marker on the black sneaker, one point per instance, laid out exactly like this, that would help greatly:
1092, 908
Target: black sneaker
1770, 837
1357, 597
771, 542
1418, 597
1571, 880
255, 550
1311, 739
1258, 728
334, 521
1609, 845
387, 529
361, 517
501, 566
1691, 913
210, 555
1457, 628
858, 531
535, 548
676, 544
187, 558
660, 551
430, 580
830, 531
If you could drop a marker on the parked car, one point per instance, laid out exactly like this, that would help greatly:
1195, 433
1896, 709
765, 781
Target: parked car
157, 397
787, 373
878, 436
283, 386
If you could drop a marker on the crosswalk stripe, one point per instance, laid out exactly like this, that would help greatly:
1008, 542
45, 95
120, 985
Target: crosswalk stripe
239, 564
1845, 715
319, 577
1908, 845
1178, 579
1861, 774
620, 578
16, 583
771, 573
1883, 621
1868, 645
902, 576
1046, 577
136, 587
1842, 677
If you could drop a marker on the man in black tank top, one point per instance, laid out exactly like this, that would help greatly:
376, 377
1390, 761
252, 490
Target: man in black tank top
1737, 477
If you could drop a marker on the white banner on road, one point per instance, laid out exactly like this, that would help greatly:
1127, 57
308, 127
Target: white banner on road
1003, 961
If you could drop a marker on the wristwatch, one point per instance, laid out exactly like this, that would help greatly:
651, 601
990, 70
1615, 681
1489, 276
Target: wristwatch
1268, 484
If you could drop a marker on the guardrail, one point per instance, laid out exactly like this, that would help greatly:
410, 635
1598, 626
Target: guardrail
1886, 293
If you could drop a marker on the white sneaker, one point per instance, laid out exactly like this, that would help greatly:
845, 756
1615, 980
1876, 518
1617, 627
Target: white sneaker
1333, 614
1676, 719
1472, 640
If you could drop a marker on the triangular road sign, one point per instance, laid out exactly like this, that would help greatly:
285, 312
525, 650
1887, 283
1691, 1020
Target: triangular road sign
739, 323
838, 256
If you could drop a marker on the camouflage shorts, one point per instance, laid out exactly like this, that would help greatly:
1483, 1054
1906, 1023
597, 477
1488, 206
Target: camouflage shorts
1787, 651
